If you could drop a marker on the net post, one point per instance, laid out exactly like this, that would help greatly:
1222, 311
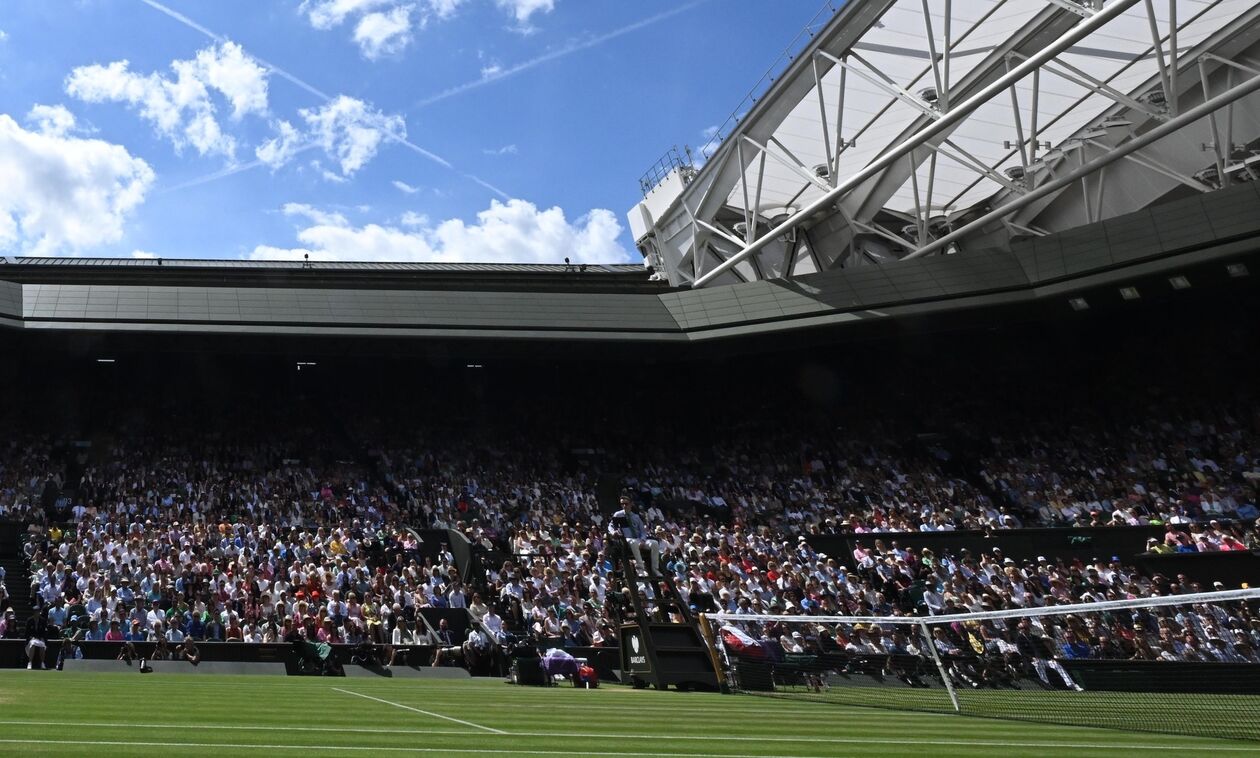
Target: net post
706, 632
940, 667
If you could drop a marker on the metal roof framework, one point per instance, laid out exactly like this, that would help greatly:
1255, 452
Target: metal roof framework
905, 122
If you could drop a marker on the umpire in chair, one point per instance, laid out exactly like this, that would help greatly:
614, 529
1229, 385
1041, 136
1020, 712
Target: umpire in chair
630, 526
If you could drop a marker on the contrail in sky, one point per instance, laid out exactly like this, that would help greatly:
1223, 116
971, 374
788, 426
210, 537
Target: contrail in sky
186, 21
229, 171
569, 49
566, 50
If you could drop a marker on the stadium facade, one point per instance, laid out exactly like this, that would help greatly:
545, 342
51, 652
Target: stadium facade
1197, 242
908, 163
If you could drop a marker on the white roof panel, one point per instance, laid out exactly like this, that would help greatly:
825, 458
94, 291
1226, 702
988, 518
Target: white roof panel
896, 48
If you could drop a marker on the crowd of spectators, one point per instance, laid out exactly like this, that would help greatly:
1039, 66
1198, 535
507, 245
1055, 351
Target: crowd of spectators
808, 477
169, 543
26, 472
1157, 471
207, 536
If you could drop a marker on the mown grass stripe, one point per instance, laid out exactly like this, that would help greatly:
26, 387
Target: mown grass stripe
616, 736
418, 710
689, 754
101, 710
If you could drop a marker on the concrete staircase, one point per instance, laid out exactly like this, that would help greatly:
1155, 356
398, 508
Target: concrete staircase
17, 573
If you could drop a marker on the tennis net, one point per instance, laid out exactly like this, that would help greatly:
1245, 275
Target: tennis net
1185, 664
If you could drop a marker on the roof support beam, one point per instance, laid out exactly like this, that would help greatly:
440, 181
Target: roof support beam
964, 158
1117, 152
1157, 42
822, 115
949, 45
1020, 142
931, 40
841, 143
1172, 52
1076, 8
1079, 77
1220, 151
920, 222
796, 163
1158, 167
881, 80
743, 185
1233, 64
932, 130
1025, 229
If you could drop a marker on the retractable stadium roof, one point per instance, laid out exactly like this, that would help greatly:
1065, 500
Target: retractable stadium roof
907, 128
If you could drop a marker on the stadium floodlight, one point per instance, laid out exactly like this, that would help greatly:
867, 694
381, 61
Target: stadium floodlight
1179, 282
1237, 270
1079, 304
1130, 293
105, 360
1120, 664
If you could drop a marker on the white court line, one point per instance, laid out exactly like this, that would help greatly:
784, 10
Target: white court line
377, 748
707, 738
389, 730
427, 713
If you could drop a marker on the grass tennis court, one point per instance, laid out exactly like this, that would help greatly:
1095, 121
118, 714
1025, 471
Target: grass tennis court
126, 714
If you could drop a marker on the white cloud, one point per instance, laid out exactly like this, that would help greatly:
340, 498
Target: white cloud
444, 9
280, 149
383, 27
143, 254
53, 120
326, 14
351, 131
515, 231
180, 107
522, 10
315, 215
491, 71
414, 220
233, 73
505, 150
3, 35
62, 193
405, 188
379, 34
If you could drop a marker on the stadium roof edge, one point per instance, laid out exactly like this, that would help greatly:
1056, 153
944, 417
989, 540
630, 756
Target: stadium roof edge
376, 275
463, 267
1204, 242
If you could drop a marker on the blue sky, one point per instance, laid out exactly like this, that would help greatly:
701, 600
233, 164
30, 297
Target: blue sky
497, 130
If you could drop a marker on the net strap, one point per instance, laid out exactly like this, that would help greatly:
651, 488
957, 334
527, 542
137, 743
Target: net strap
1225, 596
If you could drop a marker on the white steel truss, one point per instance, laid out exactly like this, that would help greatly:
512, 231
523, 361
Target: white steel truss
905, 122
